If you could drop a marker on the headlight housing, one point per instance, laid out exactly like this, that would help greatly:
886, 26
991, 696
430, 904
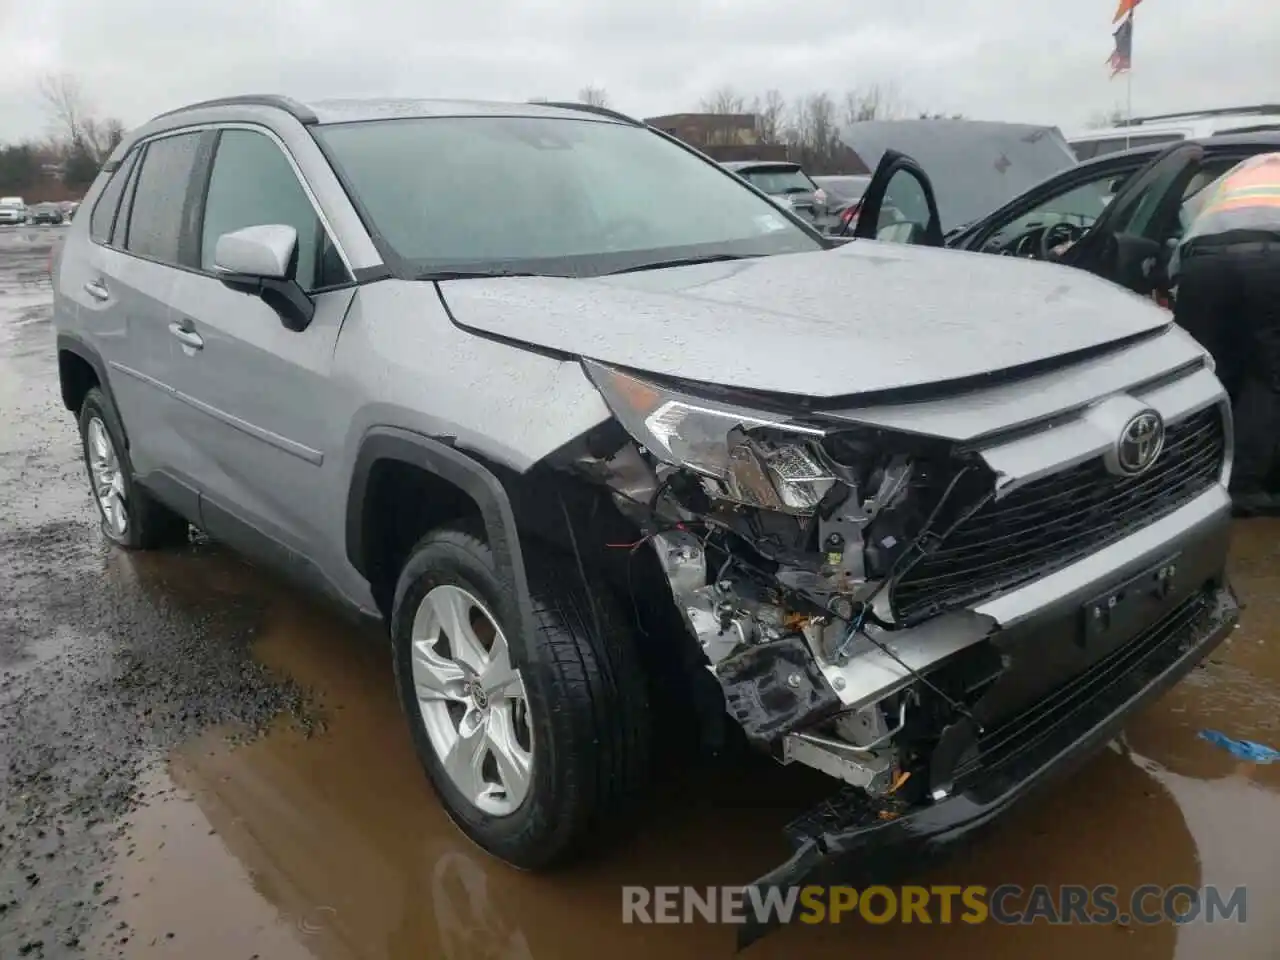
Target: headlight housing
746, 456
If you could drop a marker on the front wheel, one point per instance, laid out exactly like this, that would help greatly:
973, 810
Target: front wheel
533, 744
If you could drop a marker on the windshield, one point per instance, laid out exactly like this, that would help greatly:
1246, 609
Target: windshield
547, 195
779, 181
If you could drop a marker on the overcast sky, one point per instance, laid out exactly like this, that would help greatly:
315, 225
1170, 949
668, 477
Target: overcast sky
1027, 60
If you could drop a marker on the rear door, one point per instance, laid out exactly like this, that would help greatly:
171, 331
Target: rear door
256, 395
899, 204
1128, 243
135, 259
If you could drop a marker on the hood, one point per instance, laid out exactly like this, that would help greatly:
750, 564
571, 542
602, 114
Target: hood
861, 318
975, 166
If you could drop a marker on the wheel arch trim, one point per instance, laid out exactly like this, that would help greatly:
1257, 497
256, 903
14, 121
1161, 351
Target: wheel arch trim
454, 467
79, 347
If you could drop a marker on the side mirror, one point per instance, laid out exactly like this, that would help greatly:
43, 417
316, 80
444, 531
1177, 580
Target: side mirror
260, 260
263, 251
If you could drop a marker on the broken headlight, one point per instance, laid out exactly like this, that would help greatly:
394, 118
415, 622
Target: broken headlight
751, 457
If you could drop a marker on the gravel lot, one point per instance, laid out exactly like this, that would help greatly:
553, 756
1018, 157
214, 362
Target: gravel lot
197, 762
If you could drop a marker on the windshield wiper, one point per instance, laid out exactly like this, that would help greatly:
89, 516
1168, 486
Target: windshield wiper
684, 262
472, 274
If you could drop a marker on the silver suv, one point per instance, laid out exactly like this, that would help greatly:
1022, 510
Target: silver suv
627, 457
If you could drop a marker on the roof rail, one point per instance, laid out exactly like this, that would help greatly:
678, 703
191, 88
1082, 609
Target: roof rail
589, 108
1260, 108
299, 111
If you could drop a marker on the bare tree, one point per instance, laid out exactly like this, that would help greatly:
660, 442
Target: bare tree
724, 100
811, 134
771, 116
65, 101
595, 96
808, 126
821, 112
76, 125
877, 102
102, 136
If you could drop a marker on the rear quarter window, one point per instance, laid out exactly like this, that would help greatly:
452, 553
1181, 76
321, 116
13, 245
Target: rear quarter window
104, 211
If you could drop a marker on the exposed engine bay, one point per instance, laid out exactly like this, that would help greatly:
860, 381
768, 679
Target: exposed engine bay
782, 542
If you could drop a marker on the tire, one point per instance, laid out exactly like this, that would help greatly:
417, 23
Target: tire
585, 700
149, 525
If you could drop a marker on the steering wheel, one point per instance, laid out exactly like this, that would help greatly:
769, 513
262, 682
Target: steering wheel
1056, 234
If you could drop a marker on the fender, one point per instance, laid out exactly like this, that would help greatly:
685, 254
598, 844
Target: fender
472, 478
74, 343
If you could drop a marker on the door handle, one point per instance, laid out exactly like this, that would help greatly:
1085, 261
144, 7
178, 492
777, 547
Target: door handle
186, 336
98, 290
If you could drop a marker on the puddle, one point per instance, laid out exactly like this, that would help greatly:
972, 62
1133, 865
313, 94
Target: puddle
333, 845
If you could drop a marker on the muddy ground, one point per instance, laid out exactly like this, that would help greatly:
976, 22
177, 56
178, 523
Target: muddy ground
198, 762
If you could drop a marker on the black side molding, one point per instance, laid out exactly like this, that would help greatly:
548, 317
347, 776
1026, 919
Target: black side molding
461, 471
74, 343
372, 274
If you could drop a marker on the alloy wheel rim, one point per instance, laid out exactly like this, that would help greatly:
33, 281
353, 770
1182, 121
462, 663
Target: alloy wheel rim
472, 700
107, 478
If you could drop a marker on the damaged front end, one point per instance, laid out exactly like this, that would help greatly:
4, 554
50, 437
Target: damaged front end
933, 624
780, 539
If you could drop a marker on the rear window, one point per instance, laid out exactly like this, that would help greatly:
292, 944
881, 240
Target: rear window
104, 211
159, 202
776, 182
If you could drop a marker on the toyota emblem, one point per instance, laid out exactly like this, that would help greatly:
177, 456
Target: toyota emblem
1140, 443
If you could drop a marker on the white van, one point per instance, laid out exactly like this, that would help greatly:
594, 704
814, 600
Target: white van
1172, 127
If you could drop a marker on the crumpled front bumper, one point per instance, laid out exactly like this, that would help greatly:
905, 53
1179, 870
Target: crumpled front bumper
850, 840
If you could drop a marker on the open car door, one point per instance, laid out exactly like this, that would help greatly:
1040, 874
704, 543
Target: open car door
1129, 243
899, 204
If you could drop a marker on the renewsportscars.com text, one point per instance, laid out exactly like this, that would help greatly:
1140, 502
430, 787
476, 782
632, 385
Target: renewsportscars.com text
1006, 904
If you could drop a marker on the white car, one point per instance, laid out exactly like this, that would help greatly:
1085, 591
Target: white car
12, 210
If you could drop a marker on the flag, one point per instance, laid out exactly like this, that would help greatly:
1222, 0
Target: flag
1126, 8
1122, 57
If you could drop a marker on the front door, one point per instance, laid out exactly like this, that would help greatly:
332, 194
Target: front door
1127, 244
899, 205
255, 396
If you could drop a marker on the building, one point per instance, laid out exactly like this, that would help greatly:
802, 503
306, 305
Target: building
722, 136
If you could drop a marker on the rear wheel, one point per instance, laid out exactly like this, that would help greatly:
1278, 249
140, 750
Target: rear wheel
130, 517
533, 744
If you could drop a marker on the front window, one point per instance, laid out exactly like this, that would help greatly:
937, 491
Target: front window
549, 196
252, 183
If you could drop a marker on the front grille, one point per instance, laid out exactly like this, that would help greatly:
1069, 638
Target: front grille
1056, 520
